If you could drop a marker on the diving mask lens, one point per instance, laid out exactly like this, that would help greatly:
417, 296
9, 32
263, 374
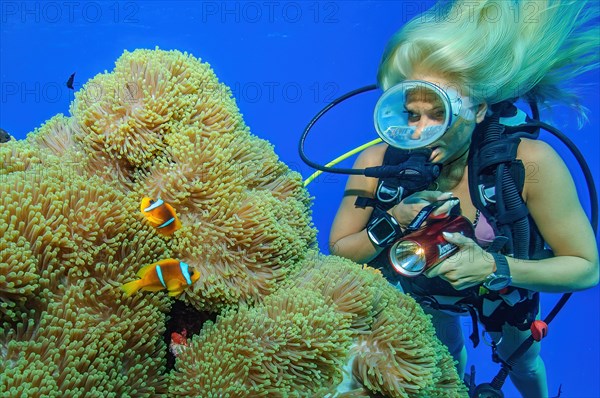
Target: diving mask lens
413, 114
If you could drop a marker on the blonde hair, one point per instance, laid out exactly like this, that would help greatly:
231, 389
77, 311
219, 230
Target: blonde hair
498, 50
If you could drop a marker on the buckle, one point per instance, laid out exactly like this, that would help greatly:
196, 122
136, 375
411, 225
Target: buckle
387, 194
487, 195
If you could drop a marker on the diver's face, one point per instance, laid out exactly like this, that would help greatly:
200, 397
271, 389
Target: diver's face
425, 108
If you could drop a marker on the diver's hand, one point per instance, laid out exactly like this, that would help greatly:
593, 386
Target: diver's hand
405, 211
468, 267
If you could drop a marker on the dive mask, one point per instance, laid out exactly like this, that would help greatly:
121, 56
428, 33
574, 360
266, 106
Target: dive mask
415, 113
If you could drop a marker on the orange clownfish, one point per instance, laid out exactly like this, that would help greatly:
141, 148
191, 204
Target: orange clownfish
170, 274
160, 215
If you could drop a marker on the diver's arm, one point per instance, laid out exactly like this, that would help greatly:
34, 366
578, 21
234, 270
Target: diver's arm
356, 245
348, 236
552, 200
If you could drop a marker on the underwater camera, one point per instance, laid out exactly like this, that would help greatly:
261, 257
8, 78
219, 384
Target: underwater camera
424, 248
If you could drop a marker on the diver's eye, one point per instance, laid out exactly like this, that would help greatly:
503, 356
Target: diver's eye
439, 115
412, 117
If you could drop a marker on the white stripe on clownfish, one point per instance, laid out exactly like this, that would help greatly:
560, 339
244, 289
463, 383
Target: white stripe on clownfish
185, 271
160, 276
166, 223
159, 202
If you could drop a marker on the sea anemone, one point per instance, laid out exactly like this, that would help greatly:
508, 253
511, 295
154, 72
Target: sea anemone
290, 319
401, 357
293, 344
65, 330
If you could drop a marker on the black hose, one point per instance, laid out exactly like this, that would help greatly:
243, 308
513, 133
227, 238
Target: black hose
512, 200
508, 196
315, 119
500, 204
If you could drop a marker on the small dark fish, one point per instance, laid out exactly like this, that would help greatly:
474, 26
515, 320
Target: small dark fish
70, 81
4, 136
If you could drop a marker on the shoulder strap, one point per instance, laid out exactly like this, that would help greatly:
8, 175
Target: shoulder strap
496, 177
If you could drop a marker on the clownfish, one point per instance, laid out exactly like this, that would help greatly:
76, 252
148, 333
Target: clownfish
160, 215
170, 274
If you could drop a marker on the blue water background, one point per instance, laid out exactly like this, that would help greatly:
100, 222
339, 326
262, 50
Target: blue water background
284, 61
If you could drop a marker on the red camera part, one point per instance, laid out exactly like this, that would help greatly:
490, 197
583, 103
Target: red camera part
425, 248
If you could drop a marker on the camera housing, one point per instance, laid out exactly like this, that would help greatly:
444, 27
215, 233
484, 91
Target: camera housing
425, 248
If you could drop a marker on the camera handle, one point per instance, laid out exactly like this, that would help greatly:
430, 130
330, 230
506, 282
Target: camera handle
422, 216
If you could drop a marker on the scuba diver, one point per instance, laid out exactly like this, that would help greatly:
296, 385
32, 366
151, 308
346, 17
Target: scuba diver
450, 78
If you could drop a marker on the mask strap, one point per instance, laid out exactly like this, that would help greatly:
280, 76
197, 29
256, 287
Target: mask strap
461, 106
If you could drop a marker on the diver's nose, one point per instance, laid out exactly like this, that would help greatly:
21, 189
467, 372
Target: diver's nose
418, 129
